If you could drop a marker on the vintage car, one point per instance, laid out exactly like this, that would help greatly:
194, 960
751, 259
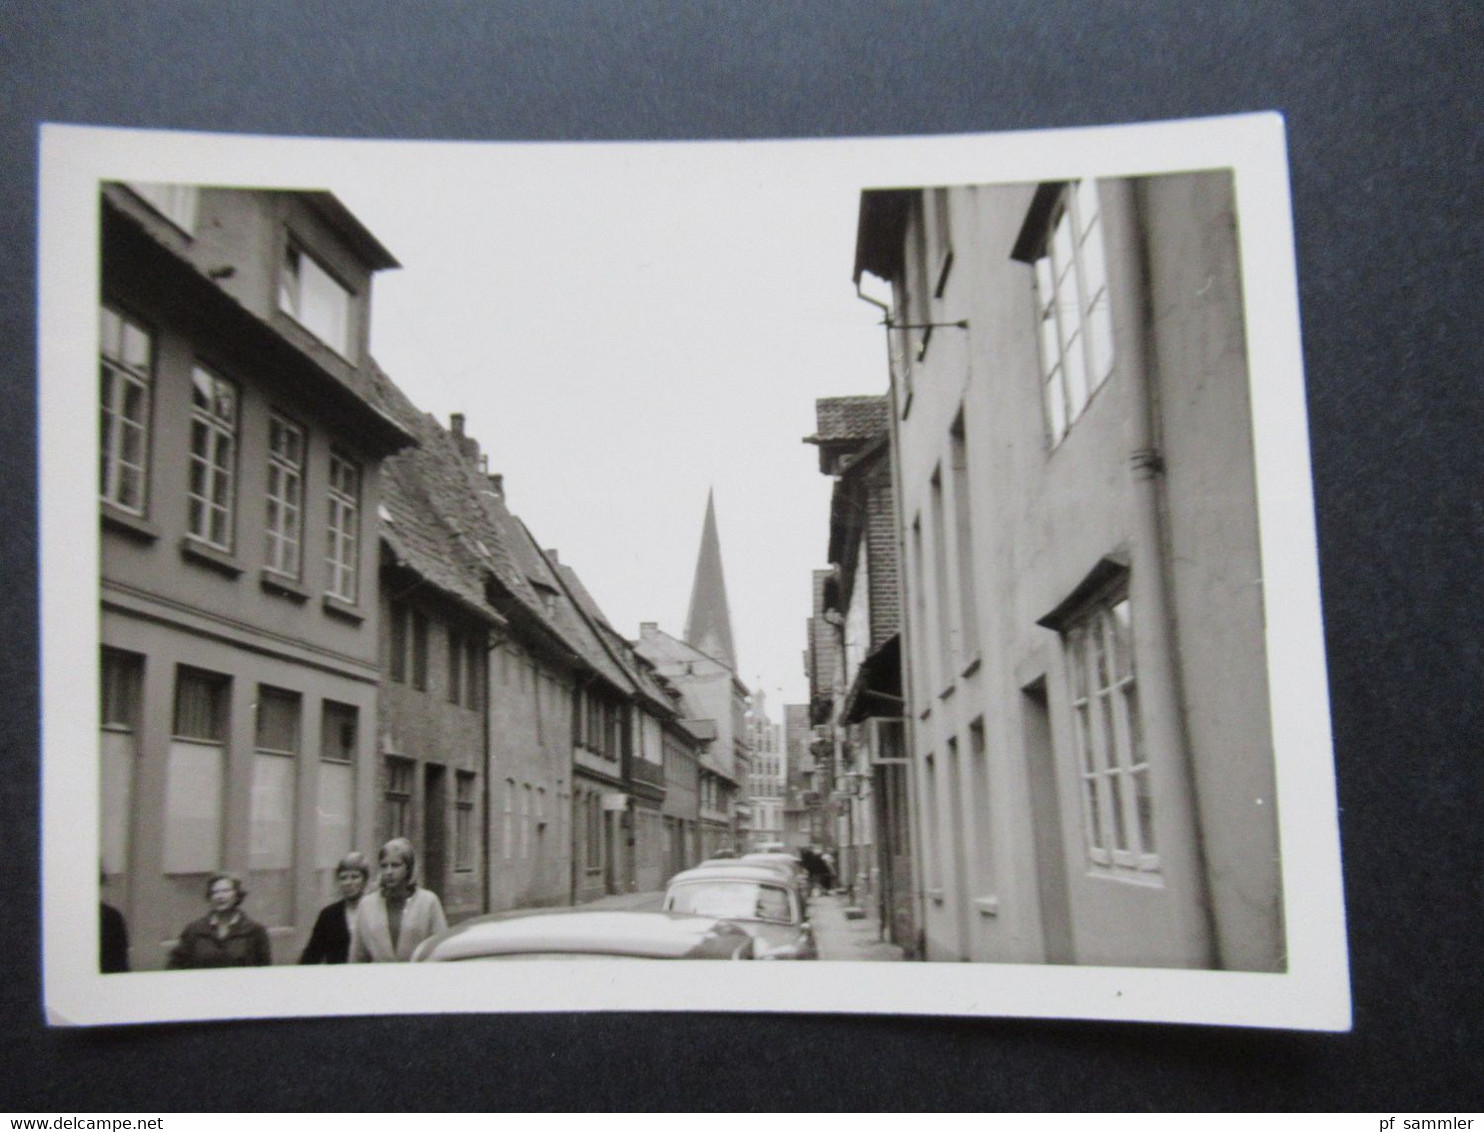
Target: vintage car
785, 861
579, 933
759, 899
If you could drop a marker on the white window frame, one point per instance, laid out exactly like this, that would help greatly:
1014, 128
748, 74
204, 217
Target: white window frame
1075, 326
1111, 759
311, 295
342, 553
212, 491
284, 522
122, 372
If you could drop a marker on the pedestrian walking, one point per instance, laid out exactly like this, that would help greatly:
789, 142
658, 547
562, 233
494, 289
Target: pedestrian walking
390, 922
827, 860
224, 937
329, 942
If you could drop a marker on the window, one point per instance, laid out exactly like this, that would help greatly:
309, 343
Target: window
594, 832
211, 492
1076, 327
176, 203
339, 739
121, 675
285, 495
271, 823
419, 650
940, 581
474, 665
397, 660
963, 537
455, 667
508, 828
127, 352
196, 772
525, 821
315, 299
463, 821
398, 797
344, 523
1117, 806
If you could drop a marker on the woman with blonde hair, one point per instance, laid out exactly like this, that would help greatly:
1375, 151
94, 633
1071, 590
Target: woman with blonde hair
391, 922
329, 942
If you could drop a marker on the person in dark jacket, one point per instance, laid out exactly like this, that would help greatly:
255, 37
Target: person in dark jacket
225, 936
113, 940
329, 942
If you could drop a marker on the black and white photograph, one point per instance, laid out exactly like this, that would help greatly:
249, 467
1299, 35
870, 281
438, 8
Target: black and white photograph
798, 554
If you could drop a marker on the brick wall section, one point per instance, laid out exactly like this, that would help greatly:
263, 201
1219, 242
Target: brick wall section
882, 554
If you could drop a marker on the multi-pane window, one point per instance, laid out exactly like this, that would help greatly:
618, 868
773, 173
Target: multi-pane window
344, 527
1076, 326
211, 492
399, 797
315, 299
285, 495
463, 821
127, 352
1117, 803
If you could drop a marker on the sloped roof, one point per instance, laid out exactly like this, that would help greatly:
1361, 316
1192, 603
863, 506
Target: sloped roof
708, 622
430, 515
860, 417
619, 646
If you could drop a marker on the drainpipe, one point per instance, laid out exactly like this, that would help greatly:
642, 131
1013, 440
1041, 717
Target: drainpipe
1151, 589
904, 611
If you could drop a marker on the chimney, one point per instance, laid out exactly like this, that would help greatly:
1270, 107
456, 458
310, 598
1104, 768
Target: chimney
497, 483
552, 554
468, 447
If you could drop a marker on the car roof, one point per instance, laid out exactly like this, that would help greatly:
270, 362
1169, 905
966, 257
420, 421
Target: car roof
616, 932
737, 871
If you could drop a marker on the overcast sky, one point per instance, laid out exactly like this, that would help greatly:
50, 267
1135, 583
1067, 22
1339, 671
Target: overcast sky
626, 328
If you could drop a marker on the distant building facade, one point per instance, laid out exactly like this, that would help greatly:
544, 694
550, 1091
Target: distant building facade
861, 599
1086, 679
242, 442
767, 780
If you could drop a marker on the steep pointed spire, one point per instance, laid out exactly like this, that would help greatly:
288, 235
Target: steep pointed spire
708, 623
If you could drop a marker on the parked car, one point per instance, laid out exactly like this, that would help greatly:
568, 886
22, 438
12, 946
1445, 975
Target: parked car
788, 862
759, 899
578, 933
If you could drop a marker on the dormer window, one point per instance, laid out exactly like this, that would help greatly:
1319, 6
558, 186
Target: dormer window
314, 299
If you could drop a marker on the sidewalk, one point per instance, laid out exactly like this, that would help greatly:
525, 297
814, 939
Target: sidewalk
841, 938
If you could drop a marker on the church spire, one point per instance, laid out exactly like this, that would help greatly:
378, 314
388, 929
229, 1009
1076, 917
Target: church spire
708, 624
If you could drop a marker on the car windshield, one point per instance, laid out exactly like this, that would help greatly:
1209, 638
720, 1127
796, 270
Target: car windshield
732, 900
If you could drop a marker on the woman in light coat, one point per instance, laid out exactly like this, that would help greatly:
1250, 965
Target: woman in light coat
391, 922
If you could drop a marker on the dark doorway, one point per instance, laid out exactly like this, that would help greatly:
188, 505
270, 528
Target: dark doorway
1046, 831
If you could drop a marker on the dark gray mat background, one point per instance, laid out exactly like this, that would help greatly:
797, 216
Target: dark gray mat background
1382, 105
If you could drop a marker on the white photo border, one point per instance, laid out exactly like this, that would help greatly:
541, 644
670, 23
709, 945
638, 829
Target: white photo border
1314, 992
